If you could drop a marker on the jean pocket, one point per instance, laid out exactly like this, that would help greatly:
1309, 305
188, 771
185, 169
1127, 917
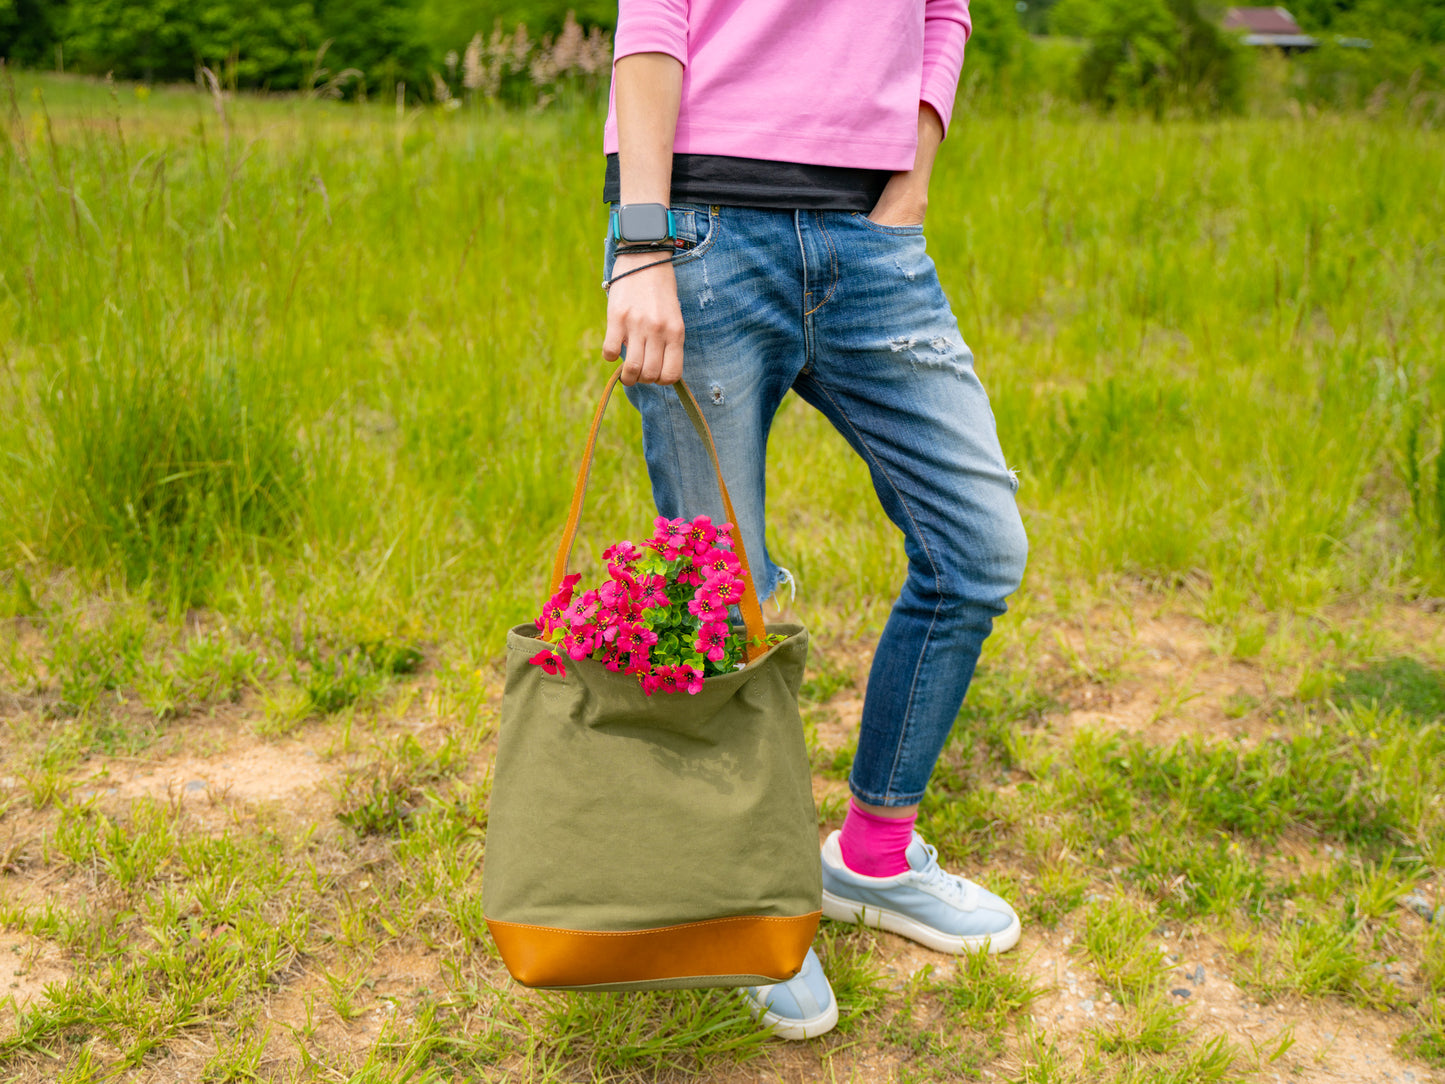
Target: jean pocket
696, 226
894, 231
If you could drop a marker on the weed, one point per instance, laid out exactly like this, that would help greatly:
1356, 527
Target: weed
378, 805
237, 1058
1119, 939
1041, 1062
1055, 892
156, 458
47, 787
1189, 877
380, 799
333, 680
342, 990
852, 967
1402, 683
1150, 1027
1426, 1037
1319, 955
985, 994
618, 1034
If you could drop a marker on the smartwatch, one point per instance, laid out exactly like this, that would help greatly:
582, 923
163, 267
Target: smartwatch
642, 223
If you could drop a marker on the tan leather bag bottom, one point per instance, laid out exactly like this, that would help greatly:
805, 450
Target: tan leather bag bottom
745, 950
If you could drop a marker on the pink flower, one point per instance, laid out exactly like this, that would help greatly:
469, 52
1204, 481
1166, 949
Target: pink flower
706, 610
693, 678
633, 637
654, 592
717, 562
671, 537
623, 623
726, 590
549, 662
700, 535
552, 613
624, 553
582, 610
712, 640
579, 643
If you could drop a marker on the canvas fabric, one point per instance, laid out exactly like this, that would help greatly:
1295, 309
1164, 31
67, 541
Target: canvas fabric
613, 812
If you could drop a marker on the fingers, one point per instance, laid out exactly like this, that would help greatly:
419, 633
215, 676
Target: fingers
671, 364
613, 340
645, 329
632, 362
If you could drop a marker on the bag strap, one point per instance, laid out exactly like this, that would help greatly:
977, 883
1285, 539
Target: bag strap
752, 610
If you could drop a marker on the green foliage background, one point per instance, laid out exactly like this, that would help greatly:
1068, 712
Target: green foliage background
1152, 55
268, 43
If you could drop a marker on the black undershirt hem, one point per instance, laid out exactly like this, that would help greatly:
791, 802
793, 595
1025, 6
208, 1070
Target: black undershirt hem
758, 182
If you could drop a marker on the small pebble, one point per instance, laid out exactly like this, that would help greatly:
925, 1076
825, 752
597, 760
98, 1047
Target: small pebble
1198, 974
1086, 1005
1420, 905
1181, 992
196, 784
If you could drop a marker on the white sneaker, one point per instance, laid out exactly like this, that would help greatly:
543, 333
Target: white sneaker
801, 1008
941, 910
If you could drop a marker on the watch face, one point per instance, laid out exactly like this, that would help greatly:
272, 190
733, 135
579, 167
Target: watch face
643, 222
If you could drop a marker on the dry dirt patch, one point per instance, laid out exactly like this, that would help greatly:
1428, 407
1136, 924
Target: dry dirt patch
1331, 1041
27, 966
289, 774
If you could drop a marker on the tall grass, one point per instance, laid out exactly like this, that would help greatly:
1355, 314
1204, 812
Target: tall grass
348, 352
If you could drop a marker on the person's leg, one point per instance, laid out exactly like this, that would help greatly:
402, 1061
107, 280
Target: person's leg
738, 288
887, 365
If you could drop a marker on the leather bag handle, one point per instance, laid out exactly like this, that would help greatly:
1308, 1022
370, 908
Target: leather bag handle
752, 610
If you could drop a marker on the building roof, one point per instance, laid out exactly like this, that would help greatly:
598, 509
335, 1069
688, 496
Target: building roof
1262, 21
1268, 26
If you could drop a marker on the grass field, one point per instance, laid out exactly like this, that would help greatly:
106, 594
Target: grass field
292, 394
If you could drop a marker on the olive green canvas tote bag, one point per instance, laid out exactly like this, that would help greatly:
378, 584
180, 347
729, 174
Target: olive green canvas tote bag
660, 842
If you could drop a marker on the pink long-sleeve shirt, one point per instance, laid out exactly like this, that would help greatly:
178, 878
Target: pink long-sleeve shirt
823, 82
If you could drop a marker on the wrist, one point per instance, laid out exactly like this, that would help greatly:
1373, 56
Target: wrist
909, 198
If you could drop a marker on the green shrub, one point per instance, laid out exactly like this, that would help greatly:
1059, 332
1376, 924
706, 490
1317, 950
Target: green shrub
252, 43
1154, 54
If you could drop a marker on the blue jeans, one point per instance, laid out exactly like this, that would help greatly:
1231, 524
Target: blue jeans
850, 315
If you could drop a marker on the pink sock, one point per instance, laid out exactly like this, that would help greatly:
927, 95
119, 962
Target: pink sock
874, 845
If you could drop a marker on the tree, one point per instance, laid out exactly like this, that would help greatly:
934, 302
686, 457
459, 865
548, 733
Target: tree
1131, 54
29, 30
380, 38
1151, 54
147, 38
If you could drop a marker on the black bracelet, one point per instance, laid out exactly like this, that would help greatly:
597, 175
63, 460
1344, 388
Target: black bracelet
650, 246
607, 283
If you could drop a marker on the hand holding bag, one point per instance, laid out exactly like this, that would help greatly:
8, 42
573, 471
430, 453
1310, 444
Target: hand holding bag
661, 842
